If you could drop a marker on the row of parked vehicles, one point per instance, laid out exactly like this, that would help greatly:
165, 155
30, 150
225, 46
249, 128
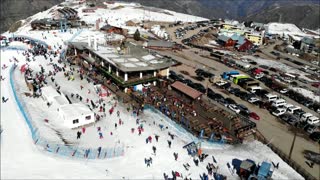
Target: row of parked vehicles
181, 32
293, 115
279, 105
262, 98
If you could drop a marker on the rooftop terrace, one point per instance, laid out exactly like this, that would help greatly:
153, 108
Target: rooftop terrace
132, 58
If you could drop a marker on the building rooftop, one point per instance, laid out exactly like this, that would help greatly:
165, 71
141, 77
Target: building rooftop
308, 40
223, 38
159, 43
132, 58
187, 90
73, 111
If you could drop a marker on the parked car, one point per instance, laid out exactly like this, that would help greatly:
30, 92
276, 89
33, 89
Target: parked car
278, 112
220, 83
230, 101
253, 115
292, 120
315, 136
234, 108
181, 76
243, 109
311, 128
283, 91
273, 69
253, 99
317, 84
187, 81
199, 78
284, 117
198, 71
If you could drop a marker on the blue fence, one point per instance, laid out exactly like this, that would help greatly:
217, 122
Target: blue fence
61, 149
14, 48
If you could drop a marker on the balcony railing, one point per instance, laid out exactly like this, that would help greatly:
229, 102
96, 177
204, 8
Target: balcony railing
131, 81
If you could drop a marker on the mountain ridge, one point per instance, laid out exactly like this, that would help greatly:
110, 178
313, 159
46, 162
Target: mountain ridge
292, 11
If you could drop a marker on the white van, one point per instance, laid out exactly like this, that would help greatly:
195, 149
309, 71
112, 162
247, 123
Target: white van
291, 110
271, 97
254, 89
313, 120
279, 102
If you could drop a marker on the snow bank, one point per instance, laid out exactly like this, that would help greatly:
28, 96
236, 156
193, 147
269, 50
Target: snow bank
283, 28
306, 93
279, 65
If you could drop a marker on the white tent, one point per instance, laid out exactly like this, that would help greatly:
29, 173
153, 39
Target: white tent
76, 115
49, 93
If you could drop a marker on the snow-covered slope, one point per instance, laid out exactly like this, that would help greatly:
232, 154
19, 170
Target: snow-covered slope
21, 158
283, 28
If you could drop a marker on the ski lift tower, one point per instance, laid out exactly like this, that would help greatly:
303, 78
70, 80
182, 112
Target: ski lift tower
63, 25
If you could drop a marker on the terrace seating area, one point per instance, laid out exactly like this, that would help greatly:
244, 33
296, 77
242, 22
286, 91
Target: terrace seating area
196, 116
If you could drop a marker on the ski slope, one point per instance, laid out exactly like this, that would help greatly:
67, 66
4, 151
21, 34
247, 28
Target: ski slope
21, 158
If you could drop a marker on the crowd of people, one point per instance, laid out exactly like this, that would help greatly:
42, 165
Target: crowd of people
39, 79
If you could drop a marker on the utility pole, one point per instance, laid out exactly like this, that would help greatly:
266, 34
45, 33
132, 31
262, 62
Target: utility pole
293, 141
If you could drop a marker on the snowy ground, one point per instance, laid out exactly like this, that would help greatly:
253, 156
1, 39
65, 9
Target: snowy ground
283, 28
307, 93
20, 158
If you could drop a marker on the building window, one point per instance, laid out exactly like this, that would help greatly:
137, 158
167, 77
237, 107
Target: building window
88, 117
76, 121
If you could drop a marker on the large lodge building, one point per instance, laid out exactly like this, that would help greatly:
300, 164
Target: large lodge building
128, 67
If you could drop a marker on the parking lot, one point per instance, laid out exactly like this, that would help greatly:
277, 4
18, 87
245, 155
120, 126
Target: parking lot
275, 130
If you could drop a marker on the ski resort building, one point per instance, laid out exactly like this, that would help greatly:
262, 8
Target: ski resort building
127, 66
49, 94
75, 115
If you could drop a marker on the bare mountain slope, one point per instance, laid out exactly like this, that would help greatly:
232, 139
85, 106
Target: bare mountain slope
14, 10
302, 15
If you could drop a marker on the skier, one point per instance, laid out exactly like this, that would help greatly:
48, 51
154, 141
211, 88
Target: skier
139, 129
175, 156
2, 78
83, 130
4, 100
100, 135
81, 87
78, 135
196, 161
132, 130
169, 143
118, 113
150, 139
171, 135
115, 125
154, 149
99, 151
157, 137
165, 176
